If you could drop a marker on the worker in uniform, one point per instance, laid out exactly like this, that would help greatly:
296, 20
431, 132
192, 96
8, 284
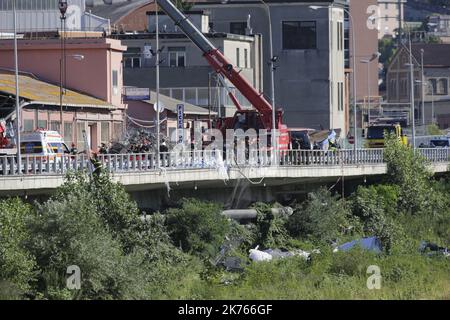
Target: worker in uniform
103, 149
97, 164
73, 149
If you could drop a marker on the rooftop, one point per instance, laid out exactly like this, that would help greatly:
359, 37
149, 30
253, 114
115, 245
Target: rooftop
115, 11
434, 54
40, 92
169, 35
170, 104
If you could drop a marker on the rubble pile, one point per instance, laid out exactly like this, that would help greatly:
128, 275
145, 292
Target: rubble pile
138, 140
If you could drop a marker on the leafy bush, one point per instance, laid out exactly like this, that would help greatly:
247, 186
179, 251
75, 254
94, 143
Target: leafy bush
69, 233
270, 228
410, 172
16, 263
198, 227
376, 208
110, 202
322, 218
93, 224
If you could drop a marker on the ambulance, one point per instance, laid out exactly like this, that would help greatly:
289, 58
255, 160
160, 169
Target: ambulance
43, 143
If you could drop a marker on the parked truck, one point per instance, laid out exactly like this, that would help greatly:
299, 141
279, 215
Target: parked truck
376, 133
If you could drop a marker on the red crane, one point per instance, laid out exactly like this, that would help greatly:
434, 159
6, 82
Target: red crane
261, 118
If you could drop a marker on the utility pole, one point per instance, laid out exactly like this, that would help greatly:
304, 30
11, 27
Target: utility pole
157, 85
62, 62
16, 67
423, 87
413, 117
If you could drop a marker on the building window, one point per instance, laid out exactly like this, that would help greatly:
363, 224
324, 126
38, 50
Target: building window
178, 94
245, 58
55, 126
190, 95
6, 5
340, 36
28, 125
81, 126
105, 132
132, 57
68, 134
202, 96
392, 88
442, 86
238, 27
42, 124
117, 131
299, 35
432, 87
115, 82
238, 57
132, 62
177, 56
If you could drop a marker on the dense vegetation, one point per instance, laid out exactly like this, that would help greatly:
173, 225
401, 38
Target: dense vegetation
124, 254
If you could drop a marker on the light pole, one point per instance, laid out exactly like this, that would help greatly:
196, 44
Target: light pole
62, 86
272, 61
368, 88
368, 61
352, 27
423, 86
413, 116
16, 67
428, 85
157, 85
62, 5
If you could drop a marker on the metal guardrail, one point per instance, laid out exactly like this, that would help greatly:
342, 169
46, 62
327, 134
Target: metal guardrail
206, 159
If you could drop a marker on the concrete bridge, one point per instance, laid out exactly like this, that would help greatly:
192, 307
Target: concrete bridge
206, 172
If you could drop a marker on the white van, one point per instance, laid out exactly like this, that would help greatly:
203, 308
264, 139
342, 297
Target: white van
43, 143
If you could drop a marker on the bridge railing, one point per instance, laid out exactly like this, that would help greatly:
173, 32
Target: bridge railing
59, 165
436, 154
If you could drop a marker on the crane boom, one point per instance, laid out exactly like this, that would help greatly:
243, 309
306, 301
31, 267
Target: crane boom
218, 61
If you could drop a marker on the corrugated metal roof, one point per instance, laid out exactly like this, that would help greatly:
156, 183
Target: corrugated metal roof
42, 92
171, 105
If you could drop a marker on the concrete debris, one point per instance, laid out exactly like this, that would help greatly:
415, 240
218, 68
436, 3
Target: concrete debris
137, 140
269, 254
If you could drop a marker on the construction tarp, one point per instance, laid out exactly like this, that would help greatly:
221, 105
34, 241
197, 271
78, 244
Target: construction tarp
372, 244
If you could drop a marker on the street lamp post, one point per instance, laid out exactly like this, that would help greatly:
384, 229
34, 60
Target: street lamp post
16, 67
428, 85
423, 87
413, 116
62, 5
157, 86
272, 79
368, 61
368, 88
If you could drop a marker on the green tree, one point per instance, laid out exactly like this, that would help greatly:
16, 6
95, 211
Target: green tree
322, 218
197, 226
271, 229
110, 202
16, 263
376, 206
408, 170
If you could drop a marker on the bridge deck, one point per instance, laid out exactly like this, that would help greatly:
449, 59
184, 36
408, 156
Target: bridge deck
207, 168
